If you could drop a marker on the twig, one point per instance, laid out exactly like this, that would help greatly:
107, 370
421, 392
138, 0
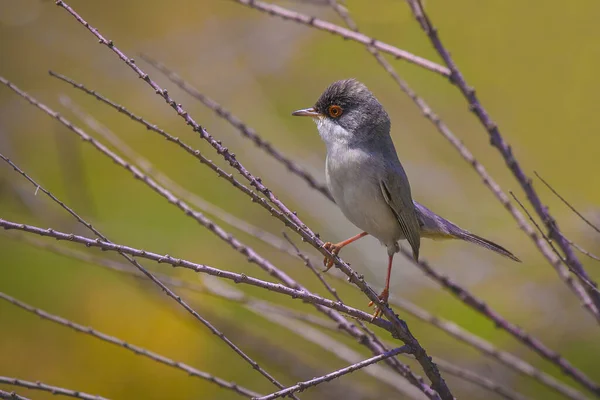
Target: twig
582, 250
587, 221
133, 348
55, 390
12, 396
551, 245
500, 144
244, 129
288, 217
479, 380
300, 386
167, 291
286, 14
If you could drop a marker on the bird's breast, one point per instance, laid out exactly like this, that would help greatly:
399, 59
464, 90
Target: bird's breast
353, 179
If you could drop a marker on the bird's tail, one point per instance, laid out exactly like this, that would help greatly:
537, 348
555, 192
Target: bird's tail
435, 227
488, 244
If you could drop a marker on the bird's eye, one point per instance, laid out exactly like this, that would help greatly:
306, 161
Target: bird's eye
335, 111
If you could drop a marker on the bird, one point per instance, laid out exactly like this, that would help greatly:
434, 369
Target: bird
367, 181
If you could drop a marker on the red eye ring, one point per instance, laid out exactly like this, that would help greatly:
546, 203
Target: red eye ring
335, 111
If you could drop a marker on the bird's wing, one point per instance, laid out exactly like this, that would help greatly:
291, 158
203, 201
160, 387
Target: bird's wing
396, 192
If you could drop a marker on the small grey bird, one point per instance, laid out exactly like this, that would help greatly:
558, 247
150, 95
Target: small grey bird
367, 180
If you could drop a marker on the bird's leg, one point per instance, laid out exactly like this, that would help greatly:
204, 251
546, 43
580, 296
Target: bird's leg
385, 294
335, 248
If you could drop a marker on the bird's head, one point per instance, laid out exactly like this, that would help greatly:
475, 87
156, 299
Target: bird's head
348, 112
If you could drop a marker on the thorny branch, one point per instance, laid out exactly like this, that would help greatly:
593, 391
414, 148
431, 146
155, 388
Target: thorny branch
300, 386
55, 390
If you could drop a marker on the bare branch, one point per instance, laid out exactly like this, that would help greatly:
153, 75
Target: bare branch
12, 396
300, 386
587, 221
55, 390
590, 285
303, 19
582, 250
244, 129
479, 380
133, 348
502, 146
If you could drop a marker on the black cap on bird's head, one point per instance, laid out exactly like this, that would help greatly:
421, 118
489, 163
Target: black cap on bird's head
351, 105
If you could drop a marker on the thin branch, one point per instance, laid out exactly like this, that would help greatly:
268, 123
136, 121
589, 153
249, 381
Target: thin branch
303, 19
133, 348
587, 221
12, 396
487, 180
551, 245
301, 386
251, 255
479, 380
244, 129
502, 146
582, 250
55, 390
167, 291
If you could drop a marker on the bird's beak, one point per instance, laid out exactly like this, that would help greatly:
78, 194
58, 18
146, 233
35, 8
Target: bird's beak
307, 112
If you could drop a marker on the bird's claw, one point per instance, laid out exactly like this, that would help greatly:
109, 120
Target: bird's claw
334, 249
383, 297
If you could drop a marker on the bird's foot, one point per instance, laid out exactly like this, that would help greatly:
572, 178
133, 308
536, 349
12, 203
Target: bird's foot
383, 297
334, 249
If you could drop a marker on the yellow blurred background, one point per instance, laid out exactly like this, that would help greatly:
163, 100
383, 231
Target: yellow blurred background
534, 65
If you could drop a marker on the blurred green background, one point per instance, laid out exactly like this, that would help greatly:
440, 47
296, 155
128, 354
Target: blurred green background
534, 65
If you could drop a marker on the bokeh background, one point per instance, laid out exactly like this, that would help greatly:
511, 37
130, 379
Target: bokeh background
533, 63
